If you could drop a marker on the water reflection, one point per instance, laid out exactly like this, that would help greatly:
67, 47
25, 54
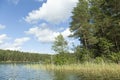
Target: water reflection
20, 72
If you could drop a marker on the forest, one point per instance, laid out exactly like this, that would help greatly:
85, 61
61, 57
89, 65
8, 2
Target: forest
17, 56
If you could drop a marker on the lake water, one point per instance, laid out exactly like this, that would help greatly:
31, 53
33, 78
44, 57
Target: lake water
25, 72
21, 72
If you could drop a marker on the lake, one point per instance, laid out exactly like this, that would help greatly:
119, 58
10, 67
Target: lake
25, 72
21, 72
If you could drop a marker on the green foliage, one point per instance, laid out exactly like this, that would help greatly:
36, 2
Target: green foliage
60, 44
106, 16
16, 56
64, 58
115, 57
99, 60
60, 47
59, 59
81, 24
96, 23
83, 55
104, 47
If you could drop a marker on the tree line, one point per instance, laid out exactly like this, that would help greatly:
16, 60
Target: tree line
17, 56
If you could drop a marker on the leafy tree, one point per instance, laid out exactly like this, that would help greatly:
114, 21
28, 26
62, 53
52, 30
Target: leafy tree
63, 56
60, 44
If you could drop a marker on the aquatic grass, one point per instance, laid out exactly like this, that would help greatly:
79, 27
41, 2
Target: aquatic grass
85, 70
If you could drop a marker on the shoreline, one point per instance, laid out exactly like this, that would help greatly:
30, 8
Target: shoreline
18, 62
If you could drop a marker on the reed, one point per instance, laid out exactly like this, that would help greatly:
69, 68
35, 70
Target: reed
86, 70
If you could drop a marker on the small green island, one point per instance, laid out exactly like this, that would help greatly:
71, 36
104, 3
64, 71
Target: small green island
96, 26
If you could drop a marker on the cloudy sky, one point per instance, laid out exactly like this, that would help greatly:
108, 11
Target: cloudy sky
32, 25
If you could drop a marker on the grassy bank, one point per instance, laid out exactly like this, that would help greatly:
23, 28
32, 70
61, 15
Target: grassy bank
87, 70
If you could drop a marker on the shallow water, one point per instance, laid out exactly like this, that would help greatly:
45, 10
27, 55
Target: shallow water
21, 72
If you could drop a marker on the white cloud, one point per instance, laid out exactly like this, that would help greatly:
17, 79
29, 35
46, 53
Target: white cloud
16, 45
20, 41
14, 1
44, 34
2, 26
54, 11
66, 32
3, 37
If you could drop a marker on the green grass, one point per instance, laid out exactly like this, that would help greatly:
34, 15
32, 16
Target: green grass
87, 70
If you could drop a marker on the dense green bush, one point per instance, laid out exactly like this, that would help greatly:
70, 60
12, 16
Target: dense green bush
99, 60
64, 58
83, 55
115, 57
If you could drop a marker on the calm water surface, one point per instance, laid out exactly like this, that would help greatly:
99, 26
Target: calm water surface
21, 72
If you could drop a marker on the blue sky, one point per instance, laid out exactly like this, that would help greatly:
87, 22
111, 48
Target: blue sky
32, 25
